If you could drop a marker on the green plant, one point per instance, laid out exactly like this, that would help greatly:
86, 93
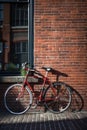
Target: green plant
11, 67
23, 72
24, 69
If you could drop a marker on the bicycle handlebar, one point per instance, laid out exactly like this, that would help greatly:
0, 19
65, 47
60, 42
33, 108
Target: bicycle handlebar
26, 67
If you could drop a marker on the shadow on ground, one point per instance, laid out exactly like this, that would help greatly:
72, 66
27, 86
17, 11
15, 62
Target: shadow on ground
67, 121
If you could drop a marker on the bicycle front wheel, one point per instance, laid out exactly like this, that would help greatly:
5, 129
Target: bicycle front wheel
57, 98
14, 105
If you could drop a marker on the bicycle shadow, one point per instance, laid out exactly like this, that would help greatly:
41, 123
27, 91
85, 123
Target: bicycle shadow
58, 74
77, 103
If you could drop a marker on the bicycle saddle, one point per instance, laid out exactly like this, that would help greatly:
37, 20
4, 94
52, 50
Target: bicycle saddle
47, 68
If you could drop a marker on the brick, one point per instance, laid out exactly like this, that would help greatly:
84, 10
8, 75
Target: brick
61, 39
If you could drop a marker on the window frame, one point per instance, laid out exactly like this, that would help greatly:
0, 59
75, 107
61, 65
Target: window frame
30, 34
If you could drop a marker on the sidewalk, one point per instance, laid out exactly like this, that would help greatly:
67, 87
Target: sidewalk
44, 121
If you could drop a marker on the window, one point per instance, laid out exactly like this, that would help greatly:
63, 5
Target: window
20, 13
1, 14
21, 47
16, 38
19, 52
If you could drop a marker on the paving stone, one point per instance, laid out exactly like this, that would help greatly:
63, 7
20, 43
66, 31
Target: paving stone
44, 121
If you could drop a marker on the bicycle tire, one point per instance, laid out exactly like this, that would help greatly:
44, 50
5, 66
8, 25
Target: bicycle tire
61, 101
15, 106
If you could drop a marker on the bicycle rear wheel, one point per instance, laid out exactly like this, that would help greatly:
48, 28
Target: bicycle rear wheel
57, 98
14, 105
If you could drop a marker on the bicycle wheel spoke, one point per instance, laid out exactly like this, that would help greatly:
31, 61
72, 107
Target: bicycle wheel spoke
60, 100
16, 104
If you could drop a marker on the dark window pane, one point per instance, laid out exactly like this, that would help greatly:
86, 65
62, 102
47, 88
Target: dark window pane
20, 53
24, 47
17, 48
21, 15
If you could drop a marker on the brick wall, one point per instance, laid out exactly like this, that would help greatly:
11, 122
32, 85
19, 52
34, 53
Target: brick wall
60, 40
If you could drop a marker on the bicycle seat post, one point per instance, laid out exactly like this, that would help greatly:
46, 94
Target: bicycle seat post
47, 69
46, 74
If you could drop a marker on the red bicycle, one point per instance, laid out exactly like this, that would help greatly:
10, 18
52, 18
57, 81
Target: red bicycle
56, 97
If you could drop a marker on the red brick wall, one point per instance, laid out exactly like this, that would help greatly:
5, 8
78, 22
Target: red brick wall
60, 40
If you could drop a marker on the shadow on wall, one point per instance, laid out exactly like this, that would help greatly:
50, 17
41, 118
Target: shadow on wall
77, 103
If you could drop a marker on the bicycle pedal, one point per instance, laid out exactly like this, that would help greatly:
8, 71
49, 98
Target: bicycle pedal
33, 106
40, 103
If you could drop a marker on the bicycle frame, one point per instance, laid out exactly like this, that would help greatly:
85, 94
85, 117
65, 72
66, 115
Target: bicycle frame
56, 97
26, 83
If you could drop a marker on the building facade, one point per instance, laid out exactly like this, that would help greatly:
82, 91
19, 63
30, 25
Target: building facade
59, 39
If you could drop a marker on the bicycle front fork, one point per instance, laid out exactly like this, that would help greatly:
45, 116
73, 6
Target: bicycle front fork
21, 93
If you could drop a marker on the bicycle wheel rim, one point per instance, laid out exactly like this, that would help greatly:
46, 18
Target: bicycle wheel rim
54, 104
17, 106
